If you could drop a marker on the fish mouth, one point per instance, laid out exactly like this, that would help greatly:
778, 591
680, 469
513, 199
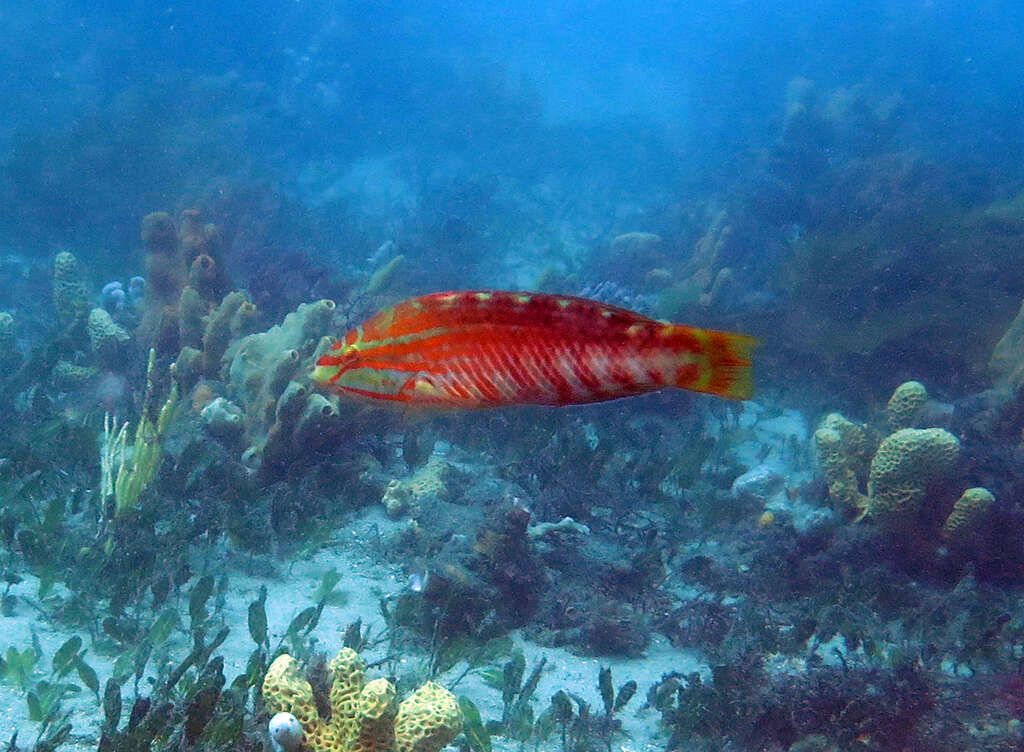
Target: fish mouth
332, 365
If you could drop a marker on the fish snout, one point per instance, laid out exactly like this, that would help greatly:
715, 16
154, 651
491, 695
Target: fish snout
334, 363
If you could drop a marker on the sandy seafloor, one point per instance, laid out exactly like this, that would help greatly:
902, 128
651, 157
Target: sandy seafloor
767, 448
364, 582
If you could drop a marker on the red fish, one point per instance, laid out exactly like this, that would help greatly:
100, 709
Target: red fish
476, 349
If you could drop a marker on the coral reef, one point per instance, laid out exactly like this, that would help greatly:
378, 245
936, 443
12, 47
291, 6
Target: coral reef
223, 418
71, 294
896, 470
383, 276
589, 529
364, 716
637, 261
204, 252
429, 482
107, 338
113, 297
844, 451
124, 304
643, 253
166, 271
903, 466
704, 276
266, 375
893, 482
852, 220
166, 276
68, 376
507, 560
905, 404
92, 338
969, 513
231, 319
187, 299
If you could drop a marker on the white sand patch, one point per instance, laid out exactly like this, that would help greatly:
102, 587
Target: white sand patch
364, 581
578, 674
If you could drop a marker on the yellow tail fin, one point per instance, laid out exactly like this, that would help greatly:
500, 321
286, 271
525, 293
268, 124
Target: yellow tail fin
729, 358
714, 362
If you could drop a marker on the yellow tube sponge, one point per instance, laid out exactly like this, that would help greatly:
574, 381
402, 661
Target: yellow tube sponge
427, 720
857, 442
364, 716
106, 337
71, 296
843, 451
967, 515
285, 690
905, 404
347, 672
905, 463
375, 711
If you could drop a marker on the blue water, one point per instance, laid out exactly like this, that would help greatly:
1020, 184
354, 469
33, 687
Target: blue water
842, 180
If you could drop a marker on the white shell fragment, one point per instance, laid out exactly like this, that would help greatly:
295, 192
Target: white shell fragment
285, 733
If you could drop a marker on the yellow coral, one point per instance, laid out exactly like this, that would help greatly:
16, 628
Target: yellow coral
905, 404
347, 673
857, 441
364, 717
843, 451
68, 376
968, 513
428, 482
286, 690
898, 472
902, 468
842, 481
70, 290
106, 336
427, 720
376, 712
